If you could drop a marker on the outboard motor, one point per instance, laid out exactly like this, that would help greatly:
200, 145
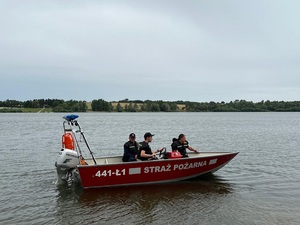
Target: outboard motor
65, 164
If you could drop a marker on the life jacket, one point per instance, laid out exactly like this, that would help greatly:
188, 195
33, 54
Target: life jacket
181, 147
68, 141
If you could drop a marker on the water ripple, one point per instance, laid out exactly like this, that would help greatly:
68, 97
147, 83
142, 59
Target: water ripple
260, 186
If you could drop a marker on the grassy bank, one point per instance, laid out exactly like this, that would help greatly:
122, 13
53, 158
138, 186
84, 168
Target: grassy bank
24, 110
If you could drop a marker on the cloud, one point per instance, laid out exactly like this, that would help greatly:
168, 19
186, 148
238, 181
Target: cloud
193, 50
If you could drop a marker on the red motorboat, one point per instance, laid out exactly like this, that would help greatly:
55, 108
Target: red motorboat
112, 171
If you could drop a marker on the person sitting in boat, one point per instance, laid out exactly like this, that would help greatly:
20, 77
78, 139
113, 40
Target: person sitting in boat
145, 152
181, 144
130, 149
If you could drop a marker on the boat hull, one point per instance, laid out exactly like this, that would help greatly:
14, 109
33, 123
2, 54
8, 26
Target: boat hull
150, 172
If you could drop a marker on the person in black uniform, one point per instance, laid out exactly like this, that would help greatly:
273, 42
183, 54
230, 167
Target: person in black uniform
145, 152
130, 149
181, 144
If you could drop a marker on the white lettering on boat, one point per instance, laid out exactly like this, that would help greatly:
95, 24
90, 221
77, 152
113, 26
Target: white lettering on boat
153, 169
157, 169
109, 173
187, 165
169, 168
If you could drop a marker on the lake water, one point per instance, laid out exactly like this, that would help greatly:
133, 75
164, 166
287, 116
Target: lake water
260, 186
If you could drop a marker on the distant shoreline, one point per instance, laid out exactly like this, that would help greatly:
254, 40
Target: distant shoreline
114, 112
126, 105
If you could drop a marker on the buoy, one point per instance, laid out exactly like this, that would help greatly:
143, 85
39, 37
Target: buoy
68, 141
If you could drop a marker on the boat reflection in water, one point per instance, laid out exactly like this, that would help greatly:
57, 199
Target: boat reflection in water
162, 203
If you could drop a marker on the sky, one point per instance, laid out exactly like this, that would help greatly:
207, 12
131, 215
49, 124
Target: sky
193, 50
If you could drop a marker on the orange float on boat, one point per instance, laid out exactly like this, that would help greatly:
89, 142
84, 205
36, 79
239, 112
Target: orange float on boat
68, 141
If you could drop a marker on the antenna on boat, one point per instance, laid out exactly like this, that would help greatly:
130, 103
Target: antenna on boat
87, 144
71, 119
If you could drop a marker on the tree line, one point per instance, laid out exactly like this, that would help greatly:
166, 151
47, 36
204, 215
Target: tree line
167, 106
244, 106
59, 105
56, 105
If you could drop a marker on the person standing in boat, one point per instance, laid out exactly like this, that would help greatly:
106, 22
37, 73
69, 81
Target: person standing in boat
145, 152
181, 144
131, 149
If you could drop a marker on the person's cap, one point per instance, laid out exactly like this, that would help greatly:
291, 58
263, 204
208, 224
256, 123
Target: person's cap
132, 135
148, 134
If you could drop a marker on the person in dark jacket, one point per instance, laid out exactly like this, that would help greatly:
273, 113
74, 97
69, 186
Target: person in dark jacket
181, 144
145, 152
131, 149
